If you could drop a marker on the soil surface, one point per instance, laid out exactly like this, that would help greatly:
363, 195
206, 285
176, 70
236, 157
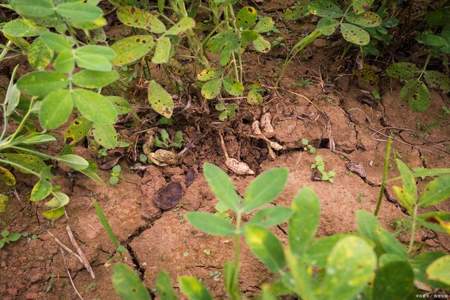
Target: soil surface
146, 209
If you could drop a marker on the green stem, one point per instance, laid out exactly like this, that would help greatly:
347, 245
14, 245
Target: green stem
413, 229
5, 50
237, 248
387, 157
302, 44
22, 123
425, 66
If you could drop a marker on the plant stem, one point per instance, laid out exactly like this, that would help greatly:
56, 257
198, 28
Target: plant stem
302, 44
413, 229
22, 123
427, 60
5, 50
387, 157
237, 248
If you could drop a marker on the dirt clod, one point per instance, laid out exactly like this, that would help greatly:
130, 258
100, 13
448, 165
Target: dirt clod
169, 196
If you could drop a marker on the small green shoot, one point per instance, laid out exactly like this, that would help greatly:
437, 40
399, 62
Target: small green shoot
308, 147
164, 141
319, 165
115, 175
227, 111
7, 237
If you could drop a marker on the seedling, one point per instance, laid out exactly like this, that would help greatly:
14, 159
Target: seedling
303, 82
163, 140
227, 111
115, 175
7, 237
308, 147
319, 166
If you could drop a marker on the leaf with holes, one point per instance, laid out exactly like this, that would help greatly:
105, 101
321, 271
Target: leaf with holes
367, 19
416, 93
94, 79
55, 109
233, 87
25, 162
39, 54
94, 107
355, 34
139, 18
105, 135
261, 44
160, 100
246, 17
327, 26
183, 25
77, 130
41, 83
208, 74
22, 28
436, 79
211, 89
402, 71
265, 24
360, 6
325, 8
132, 48
162, 51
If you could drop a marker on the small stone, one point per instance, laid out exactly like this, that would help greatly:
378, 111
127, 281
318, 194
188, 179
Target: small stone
169, 196
320, 43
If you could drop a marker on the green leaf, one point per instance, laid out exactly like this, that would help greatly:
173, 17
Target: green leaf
394, 280
139, 18
354, 34
132, 48
94, 107
261, 44
350, 267
55, 109
327, 26
231, 279
22, 28
122, 106
385, 242
100, 213
438, 221
160, 100
421, 262
435, 191
211, 89
95, 58
105, 135
164, 287
304, 221
325, 8
221, 186
57, 42
233, 87
41, 190
76, 162
319, 250
183, 25
360, 6
265, 246
7, 177
415, 92
64, 62
41, 83
33, 8
127, 284
208, 74
78, 12
193, 289
246, 17
12, 97
432, 40
265, 188
59, 200
271, 216
211, 224
254, 96
162, 51
94, 79
25, 162
367, 19
423, 172
439, 270
438, 80
402, 71
265, 24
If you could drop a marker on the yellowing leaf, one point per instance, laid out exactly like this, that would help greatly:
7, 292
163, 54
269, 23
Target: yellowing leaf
160, 100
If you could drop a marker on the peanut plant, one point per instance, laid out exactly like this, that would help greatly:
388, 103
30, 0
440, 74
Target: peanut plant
367, 264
